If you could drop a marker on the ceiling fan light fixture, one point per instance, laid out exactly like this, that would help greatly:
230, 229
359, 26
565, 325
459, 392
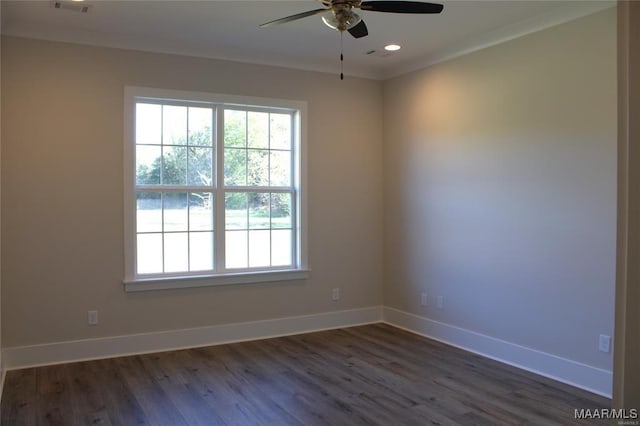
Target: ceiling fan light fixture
341, 20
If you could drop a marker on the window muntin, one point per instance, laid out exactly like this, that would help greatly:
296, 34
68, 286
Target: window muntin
206, 167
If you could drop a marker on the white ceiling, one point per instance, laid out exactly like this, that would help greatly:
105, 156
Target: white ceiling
229, 30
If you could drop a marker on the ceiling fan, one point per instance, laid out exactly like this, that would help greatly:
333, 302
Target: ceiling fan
339, 14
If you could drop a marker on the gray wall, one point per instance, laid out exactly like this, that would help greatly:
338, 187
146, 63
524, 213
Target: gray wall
62, 193
500, 187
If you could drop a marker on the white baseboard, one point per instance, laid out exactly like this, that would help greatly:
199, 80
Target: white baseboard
593, 379
108, 347
564, 370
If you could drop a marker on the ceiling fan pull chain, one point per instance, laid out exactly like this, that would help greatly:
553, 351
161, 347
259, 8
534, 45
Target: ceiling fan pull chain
341, 57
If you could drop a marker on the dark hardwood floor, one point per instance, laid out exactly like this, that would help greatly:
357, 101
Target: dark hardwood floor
368, 375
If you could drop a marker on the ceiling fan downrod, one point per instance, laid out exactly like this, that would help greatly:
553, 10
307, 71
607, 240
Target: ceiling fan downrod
341, 57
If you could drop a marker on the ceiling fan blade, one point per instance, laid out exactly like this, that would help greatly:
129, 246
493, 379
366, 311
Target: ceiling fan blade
293, 17
401, 6
360, 30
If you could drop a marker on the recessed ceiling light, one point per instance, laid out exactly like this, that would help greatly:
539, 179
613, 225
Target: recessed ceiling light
392, 47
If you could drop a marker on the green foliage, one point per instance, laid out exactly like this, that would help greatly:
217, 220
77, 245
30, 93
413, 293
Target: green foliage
235, 130
260, 204
280, 205
235, 166
180, 165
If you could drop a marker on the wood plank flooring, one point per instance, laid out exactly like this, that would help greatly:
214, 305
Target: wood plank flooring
368, 375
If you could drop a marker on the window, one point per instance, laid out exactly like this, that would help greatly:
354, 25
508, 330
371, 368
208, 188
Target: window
213, 189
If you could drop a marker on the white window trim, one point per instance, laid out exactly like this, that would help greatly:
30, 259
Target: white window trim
141, 283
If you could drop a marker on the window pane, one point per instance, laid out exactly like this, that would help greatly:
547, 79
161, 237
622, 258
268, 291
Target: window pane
176, 250
236, 210
280, 131
236, 249
235, 128
200, 126
235, 167
259, 248
201, 251
148, 123
175, 211
280, 168
149, 253
281, 248
258, 126
174, 170
258, 167
148, 164
148, 212
259, 210
199, 166
280, 210
174, 125
201, 211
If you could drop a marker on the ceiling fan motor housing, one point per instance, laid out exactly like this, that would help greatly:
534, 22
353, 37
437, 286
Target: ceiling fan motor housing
341, 17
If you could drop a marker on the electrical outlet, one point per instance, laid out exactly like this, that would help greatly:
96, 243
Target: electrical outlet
92, 317
440, 302
423, 299
335, 294
604, 344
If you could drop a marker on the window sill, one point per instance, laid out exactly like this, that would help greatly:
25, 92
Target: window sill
167, 283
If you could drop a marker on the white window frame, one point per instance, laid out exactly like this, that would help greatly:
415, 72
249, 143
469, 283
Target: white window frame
300, 270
